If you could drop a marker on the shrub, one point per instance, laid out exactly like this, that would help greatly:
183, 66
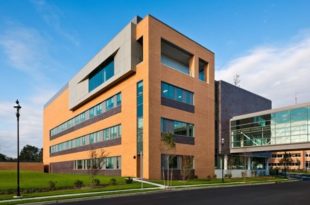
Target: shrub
244, 174
52, 185
113, 181
208, 177
228, 176
95, 182
214, 176
78, 184
128, 180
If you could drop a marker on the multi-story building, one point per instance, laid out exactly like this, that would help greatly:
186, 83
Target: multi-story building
291, 160
149, 80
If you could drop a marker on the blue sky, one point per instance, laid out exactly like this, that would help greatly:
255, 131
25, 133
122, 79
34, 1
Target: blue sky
44, 43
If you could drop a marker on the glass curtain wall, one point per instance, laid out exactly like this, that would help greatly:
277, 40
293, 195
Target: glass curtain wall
285, 127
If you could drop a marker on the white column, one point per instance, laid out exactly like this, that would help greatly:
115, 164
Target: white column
267, 166
225, 162
249, 163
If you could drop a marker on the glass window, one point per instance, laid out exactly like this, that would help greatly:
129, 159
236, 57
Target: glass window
177, 127
202, 70
118, 99
101, 75
109, 104
164, 90
175, 93
109, 163
91, 138
180, 128
175, 57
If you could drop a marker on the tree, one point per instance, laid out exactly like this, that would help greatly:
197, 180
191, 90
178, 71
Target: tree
169, 145
2, 157
187, 167
97, 162
31, 153
285, 161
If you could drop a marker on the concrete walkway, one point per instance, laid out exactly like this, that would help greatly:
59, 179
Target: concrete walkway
148, 182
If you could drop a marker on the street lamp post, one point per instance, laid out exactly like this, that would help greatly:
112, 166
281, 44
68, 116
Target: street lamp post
18, 107
222, 145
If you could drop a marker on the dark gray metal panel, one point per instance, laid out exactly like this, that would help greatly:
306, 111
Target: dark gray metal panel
232, 101
184, 139
177, 105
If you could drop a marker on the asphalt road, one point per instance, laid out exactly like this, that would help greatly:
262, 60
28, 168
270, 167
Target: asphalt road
296, 193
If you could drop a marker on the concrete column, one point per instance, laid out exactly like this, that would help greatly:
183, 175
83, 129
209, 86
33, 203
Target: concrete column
225, 162
267, 166
249, 163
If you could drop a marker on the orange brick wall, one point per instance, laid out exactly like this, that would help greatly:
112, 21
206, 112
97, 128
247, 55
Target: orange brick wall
29, 166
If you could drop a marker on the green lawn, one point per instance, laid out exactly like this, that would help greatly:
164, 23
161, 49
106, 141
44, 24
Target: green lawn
37, 184
226, 180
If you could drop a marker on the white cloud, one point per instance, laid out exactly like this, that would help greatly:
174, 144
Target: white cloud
54, 17
25, 49
30, 126
275, 72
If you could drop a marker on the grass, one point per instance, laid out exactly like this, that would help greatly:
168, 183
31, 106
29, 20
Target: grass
37, 184
307, 172
226, 180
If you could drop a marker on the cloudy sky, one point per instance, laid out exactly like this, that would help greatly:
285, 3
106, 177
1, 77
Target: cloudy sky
43, 43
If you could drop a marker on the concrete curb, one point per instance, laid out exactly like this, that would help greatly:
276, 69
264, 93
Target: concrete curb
75, 195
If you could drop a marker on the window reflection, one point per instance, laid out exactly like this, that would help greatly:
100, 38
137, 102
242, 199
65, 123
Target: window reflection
285, 127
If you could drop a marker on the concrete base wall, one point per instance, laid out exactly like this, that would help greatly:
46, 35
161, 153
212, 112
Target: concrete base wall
237, 173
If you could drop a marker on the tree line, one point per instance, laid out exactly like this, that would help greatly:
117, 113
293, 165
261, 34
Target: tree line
29, 153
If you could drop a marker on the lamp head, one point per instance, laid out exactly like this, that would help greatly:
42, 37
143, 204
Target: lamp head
222, 140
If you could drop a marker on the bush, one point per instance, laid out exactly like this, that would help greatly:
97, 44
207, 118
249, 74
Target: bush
208, 177
274, 172
95, 182
78, 184
214, 176
228, 176
244, 174
113, 181
128, 180
52, 185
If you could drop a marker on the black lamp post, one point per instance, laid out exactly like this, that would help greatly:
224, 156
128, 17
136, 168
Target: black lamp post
222, 144
18, 107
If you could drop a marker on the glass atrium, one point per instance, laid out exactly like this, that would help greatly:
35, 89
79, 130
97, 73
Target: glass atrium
283, 127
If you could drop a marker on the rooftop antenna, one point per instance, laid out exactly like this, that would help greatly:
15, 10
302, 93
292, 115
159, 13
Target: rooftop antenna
237, 80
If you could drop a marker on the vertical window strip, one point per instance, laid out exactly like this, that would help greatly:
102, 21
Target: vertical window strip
140, 117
